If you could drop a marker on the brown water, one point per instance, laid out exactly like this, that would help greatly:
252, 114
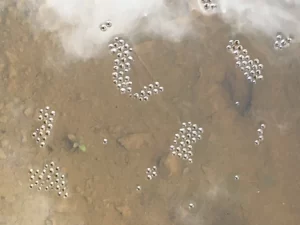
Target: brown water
201, 85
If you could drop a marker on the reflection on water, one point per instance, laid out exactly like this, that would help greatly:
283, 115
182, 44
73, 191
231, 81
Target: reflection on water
230, 180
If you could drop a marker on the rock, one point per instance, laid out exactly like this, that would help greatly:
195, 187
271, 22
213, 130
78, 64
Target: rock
3, 119
9, 106
113, 130
28, 112
88, 186
10, 198
186, 170
194, 6
12, 72
12, 58
2, 154
135, 141
89, 200
145, 46
24, 138
212, 138
48, 221
210, 174
25, 39
124, 210
173, 165
78, 190
72, 138
4, 143
65, 207
7, 22
2, 65
75, 145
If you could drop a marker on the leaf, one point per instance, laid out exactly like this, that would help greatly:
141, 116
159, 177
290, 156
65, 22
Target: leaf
82, 148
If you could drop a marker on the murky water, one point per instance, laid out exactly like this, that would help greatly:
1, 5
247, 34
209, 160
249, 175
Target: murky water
231, 181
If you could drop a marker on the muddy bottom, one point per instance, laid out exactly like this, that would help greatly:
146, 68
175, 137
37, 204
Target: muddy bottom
231, 180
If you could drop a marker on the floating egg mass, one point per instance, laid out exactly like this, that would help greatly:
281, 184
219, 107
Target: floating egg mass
104, 26
48, 181
282, 41
183, 141
260, 133
122, 67
41, 134
252, 69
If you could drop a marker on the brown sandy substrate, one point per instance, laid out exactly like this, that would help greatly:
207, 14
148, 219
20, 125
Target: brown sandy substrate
201, 85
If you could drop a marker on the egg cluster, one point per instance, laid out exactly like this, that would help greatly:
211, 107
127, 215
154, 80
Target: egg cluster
104, 26
147, 91
282, 41
49, 179
122, 65
43, 132
183, 141
252, 69
151, 172
121, 68
260, 132
208, 4
191, 205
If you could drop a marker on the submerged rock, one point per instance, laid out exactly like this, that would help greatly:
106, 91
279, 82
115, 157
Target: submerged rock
2, 154
173, 165
135, 141
28, 112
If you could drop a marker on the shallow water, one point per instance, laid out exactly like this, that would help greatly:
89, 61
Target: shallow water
201, 85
